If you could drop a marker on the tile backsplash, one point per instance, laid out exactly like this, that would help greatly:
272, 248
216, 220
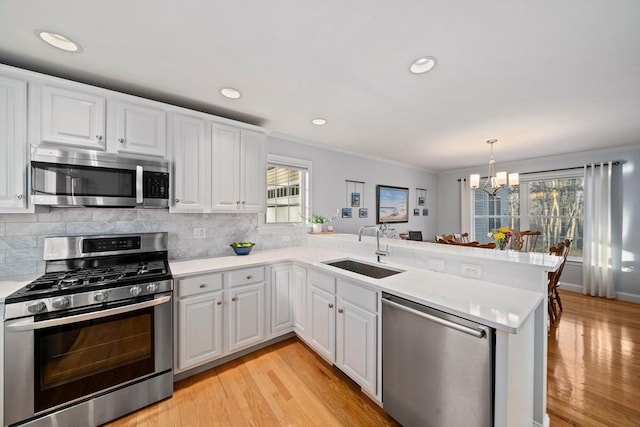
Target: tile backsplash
22, 235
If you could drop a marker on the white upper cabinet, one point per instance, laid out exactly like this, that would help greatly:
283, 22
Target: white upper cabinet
72, 117
238, 164
140, 129
13, 144
190, 175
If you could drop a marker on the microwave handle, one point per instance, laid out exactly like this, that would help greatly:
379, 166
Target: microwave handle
139, 188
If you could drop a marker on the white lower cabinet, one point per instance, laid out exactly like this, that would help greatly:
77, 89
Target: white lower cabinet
246, 315
282, 282
199, 317
322, 318
299, 299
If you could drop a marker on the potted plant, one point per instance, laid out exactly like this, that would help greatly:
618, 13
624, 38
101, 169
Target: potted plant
317, 221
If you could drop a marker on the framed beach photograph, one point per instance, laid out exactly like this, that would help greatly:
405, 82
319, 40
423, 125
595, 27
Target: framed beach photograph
363, 213
346, 212
355, 200
392, 204
420, 201
425, 212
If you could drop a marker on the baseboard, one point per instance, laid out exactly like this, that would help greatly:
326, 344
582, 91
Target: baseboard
622, 296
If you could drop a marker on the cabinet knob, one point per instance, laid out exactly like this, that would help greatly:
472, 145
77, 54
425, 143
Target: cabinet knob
243, 202
121, 140
237, 202
99, 137
340, 310
330, 305
19, 196
203, 285
249, 277
219, 303
234, 299
177, 200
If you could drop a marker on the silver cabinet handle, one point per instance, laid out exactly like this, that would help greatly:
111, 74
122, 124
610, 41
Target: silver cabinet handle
19, 196
219, 303
234, 299
243, 202
121, 140
99, 137
237, 202
177, 200
340, 310
249, 277
330, 305
203, 285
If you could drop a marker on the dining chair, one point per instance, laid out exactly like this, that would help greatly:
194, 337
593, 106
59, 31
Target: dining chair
525, 241
554, 302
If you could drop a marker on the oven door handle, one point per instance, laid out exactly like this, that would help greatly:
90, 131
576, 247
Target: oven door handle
30, 325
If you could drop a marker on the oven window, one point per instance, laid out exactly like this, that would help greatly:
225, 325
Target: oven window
74, 180
77, 360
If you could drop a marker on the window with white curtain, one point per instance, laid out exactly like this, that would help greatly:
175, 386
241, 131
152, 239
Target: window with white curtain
551, 202
287, 190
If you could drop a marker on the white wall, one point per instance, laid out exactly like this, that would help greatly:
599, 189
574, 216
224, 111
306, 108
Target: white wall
329, 191
628, 280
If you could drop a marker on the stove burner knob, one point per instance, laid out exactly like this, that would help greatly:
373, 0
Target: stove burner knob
152, 287
59, 303
36, 307
135, 291
100, 296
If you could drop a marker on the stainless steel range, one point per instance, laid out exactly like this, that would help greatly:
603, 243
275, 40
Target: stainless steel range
91, 339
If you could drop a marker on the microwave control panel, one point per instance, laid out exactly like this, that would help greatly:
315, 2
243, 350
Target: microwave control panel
156, 185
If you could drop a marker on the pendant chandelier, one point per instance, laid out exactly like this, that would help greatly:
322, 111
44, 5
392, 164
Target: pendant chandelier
495, 181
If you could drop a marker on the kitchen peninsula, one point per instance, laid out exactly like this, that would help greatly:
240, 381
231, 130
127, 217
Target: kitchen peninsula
506, 293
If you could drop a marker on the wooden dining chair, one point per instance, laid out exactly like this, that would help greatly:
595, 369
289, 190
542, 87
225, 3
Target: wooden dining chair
525, 241
556, 285
552, 278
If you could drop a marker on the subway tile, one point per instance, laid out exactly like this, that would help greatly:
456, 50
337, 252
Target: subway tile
91, 227
101, 215
2, 228
18, 242
18, 217
23, 255
18, 268
65, 215
37, 229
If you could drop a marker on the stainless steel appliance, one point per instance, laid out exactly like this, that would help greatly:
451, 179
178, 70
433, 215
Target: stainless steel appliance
91, 339
438, 369
90, 178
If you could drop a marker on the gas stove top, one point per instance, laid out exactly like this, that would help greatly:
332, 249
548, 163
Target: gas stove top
88, 270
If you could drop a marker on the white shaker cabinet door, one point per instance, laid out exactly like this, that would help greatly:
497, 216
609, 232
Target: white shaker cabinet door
200, 332
299, 296
253, 171
190, 165
225, 168
72, 117
13, 144
322, 322
140, 129
246, 316
281, 299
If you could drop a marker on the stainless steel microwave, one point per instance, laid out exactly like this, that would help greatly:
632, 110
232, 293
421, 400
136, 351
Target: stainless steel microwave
89, 178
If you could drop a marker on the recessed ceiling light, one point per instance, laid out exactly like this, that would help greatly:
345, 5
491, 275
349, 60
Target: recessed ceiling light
319, 122
422, 65
59, 41
230, 92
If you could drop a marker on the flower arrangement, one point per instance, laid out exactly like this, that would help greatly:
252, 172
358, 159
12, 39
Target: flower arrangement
319, 219
501, 236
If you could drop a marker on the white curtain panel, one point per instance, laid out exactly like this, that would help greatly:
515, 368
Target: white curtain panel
597, 267
466, 218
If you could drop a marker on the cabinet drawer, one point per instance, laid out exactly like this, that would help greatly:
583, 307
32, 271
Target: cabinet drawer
323, 281
199, 284
359, 296
245, 276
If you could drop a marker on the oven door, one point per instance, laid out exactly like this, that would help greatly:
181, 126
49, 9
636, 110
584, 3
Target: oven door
53, 362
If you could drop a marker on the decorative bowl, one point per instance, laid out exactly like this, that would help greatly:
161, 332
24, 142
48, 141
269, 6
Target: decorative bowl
242, 248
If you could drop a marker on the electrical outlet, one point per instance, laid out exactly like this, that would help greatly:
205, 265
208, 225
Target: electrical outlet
199, 233
436, 264
472, 270
285, 238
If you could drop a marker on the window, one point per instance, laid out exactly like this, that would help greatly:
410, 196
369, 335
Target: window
550, 203
287, 190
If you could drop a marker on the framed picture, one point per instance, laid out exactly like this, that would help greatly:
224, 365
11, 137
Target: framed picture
355, 200
425, 212
363, 213
416, 212
420, 201
392, 204
346, 212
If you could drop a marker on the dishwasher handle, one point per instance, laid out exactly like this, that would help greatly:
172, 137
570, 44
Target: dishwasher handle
478, 333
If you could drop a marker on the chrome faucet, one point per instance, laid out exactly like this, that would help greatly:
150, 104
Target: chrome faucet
379, 252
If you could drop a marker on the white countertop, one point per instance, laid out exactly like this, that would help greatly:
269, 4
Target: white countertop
498, 306
12, 284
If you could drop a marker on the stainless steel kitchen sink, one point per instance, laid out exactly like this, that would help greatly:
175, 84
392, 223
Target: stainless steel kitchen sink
368, 270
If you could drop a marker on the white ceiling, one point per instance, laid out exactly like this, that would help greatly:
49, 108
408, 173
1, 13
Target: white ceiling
543, 77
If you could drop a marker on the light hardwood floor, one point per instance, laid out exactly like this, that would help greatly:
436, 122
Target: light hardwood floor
593, 380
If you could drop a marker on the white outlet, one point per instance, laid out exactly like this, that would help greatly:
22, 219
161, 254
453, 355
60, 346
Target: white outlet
436, 264
199, 233
472, 270
285, 238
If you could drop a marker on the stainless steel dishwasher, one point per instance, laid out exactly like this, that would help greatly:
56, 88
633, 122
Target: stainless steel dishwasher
437, 369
